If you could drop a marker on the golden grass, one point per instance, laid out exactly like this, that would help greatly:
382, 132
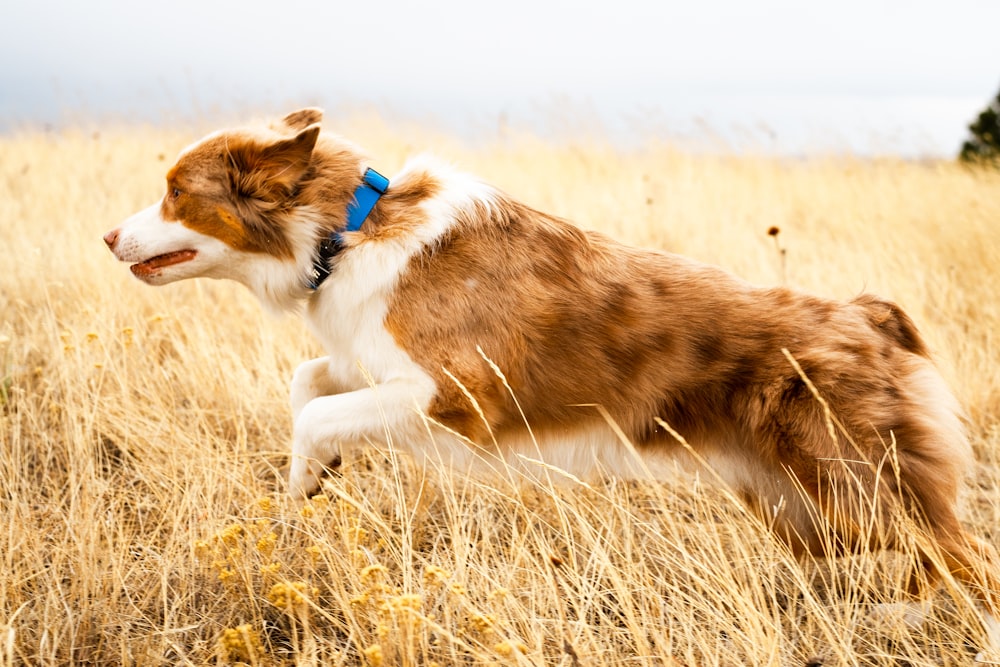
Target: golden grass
140, 430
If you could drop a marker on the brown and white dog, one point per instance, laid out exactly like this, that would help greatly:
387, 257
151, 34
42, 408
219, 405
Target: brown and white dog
469, 328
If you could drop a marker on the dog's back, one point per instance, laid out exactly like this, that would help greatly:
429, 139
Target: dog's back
822, 408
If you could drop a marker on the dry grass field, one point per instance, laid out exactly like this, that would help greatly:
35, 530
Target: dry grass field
141, 431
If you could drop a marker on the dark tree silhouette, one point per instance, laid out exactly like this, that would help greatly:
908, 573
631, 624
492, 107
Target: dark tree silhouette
983, 147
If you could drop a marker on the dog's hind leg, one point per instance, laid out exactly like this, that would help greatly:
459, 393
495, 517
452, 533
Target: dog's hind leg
971, 562
974, 563
861, 502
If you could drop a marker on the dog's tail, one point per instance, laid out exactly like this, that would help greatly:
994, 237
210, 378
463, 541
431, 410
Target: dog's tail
890, 320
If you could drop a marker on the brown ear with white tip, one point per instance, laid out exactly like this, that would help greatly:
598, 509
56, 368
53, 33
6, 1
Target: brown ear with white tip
303, 118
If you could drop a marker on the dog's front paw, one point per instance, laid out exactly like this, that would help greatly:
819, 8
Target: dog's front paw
303, 477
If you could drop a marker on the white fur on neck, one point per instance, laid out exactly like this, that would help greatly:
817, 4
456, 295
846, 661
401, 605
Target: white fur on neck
281, 285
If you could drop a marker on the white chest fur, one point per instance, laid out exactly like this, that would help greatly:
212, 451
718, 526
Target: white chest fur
347, 315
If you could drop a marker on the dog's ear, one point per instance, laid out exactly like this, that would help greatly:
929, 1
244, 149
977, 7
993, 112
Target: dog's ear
303, 118
270, 172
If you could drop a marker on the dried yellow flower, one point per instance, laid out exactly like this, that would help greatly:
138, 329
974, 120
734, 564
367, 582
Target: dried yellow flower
266, 544
202, 550
289, 596
481, 623
507, 649
436, 576
241, 643
374, 655
498, 594
357, 534
230, 535
504, 649
408, 601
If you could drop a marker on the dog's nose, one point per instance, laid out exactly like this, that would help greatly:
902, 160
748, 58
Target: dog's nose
111, 238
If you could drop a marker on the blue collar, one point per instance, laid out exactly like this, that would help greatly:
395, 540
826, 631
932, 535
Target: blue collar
373, 186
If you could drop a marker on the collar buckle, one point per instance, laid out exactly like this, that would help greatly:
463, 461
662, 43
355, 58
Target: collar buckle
373, 186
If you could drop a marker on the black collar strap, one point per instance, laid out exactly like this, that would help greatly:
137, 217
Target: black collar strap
373, 186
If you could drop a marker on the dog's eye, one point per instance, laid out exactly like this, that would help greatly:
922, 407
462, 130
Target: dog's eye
174, 193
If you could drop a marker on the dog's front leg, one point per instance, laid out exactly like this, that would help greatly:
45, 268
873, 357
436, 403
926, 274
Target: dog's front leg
326, 423
312, 379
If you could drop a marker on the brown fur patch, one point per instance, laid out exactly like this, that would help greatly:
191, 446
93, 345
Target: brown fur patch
397, 213
576, 319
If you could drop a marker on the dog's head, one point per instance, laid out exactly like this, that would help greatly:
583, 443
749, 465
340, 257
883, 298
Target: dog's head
228, 200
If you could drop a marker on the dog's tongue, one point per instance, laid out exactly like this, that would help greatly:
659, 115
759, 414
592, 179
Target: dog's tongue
156, 263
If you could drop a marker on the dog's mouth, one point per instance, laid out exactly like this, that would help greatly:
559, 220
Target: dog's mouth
154, 265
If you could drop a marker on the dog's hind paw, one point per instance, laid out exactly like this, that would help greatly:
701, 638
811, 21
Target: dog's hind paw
990, 655
909, 614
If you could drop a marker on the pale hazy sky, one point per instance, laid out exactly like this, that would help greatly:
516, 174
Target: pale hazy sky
868, 75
